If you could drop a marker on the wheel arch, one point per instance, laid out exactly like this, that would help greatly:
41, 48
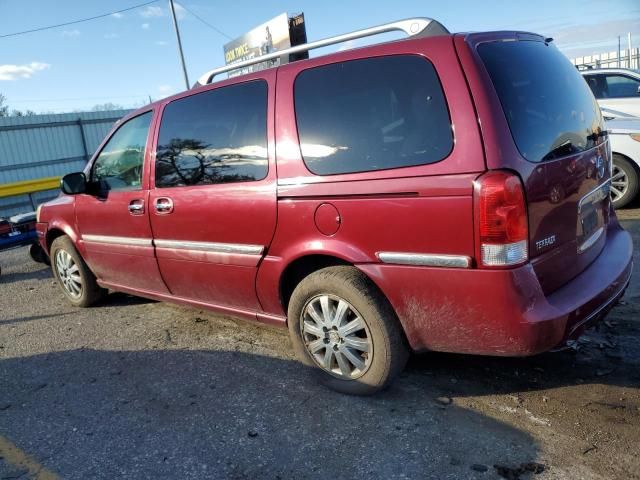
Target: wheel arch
300, 268
57, 230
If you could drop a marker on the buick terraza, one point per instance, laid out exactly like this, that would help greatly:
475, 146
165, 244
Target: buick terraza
443, 192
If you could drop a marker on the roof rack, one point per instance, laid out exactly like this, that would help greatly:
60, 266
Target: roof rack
413, 27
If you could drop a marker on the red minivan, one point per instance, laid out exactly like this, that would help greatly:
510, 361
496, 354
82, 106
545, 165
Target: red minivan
445, 192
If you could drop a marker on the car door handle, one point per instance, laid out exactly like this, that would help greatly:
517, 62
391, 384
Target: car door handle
164, 205
136, 207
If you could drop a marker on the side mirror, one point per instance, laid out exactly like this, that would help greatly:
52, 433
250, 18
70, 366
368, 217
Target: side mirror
74, 183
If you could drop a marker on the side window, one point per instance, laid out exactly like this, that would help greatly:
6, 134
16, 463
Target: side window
597, 84
217, 136
372, 114
621, 86
119, 164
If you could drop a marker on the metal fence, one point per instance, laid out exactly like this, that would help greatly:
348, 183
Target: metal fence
44, 146
609, 60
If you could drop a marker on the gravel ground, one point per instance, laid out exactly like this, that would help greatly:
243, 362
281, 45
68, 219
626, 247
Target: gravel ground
139, 389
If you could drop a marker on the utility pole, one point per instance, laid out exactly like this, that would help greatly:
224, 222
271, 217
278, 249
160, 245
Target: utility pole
629, 39
175, 26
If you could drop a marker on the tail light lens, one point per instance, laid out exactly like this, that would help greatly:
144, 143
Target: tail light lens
503, 222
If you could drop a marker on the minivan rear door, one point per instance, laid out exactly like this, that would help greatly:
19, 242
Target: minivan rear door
213, 191
542, 121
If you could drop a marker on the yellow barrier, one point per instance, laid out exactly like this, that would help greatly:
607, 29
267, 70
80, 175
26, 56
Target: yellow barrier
29, 186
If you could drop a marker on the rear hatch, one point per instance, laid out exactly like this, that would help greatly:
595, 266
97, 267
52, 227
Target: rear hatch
563, 153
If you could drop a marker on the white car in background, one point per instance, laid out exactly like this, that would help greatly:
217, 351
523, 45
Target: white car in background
616, 89
624, 135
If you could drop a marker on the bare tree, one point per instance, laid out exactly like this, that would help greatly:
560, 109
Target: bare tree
206, 169
103, 107
4, 108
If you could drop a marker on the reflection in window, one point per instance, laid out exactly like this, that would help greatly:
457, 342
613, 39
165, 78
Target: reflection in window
548, 105
218, 136
119, 164
371, 114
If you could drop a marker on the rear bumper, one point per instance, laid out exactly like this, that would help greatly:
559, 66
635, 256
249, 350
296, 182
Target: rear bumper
502, 312
17, 239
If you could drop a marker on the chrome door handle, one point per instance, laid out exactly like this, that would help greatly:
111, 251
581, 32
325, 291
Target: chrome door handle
136, 207
164, 205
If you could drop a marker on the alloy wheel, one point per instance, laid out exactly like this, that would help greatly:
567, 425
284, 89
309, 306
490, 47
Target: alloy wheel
619, 183
336, 336
68, 273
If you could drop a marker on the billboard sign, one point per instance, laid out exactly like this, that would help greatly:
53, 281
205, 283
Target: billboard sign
277, 34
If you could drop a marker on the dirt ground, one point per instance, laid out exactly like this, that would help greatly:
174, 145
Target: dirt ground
139, 389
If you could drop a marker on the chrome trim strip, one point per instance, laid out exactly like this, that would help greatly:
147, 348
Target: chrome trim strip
588, 243
597, 194
425, 259
211, 247
131, 241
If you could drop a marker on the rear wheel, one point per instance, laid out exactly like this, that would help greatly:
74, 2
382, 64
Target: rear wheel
72, 273
624, 182
343, 327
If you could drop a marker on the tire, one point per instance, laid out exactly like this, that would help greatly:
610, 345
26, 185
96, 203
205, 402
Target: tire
37, 254
624, 182
364, 357
78, 283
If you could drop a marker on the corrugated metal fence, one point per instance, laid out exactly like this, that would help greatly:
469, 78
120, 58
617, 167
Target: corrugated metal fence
41, 146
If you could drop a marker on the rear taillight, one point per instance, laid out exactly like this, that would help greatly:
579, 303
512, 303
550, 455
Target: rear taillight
502, 220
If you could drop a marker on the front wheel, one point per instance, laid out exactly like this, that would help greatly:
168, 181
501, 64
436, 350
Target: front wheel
73, 275
342, 326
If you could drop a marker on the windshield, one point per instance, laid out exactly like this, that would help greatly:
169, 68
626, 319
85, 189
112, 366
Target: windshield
550, 110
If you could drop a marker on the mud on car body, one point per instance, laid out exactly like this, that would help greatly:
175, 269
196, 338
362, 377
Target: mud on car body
447, 192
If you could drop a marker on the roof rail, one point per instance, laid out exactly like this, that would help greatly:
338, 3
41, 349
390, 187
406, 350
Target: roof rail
419, 26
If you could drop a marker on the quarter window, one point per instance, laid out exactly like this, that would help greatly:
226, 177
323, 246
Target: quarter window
119, 164
372, 114
217, 136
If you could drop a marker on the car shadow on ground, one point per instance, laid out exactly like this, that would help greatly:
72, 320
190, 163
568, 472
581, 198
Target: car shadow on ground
119, 299
39, 274
221, 414
30, 318
608, 353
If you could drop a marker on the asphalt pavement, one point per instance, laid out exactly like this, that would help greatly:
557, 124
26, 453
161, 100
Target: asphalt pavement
139, 389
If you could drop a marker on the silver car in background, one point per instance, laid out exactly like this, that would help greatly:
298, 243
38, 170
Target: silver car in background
624, 134
616, 89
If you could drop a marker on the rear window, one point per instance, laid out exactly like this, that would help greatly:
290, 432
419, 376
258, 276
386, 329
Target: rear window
550, 110
371, 114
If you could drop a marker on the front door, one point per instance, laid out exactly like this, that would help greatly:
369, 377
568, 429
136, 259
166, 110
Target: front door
113, 218
213, 198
